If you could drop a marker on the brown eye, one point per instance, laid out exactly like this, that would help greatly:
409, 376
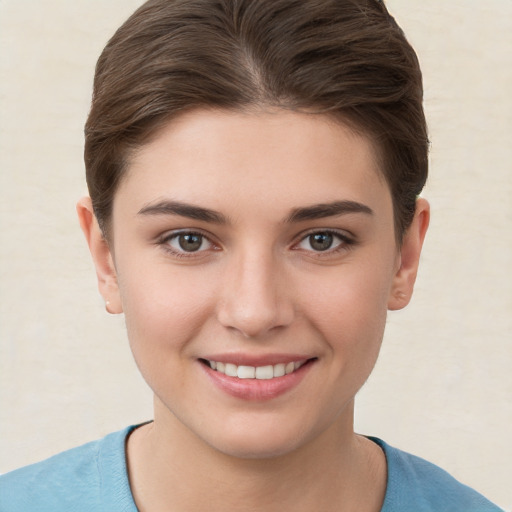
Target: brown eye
321, 241
188, 242
324, 241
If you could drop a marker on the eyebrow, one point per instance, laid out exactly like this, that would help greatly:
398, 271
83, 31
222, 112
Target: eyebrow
184, 210
315, 211
323, 210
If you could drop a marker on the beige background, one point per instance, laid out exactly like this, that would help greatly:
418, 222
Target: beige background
443, 386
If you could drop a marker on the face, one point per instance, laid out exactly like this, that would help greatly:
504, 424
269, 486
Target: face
254, 257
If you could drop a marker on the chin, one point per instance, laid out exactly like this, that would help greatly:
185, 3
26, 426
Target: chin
258, 441
242, 447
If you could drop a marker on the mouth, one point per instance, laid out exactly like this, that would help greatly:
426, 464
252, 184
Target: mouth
267, 372
267, 378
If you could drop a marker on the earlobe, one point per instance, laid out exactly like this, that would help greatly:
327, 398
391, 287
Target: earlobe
405, 277
101, 255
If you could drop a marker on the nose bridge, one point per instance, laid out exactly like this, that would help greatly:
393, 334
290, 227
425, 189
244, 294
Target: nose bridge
254, 296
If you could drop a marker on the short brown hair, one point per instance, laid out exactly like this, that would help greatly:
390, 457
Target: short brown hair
345, 58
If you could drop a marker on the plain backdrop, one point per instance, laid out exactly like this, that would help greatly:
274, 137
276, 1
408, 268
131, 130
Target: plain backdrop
442, 388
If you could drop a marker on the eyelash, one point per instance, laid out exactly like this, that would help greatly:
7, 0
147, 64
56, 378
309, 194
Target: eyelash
166, 239
345, 242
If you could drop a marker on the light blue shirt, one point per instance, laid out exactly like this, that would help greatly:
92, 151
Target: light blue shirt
94, 477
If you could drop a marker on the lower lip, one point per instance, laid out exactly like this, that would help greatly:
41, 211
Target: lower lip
256, 389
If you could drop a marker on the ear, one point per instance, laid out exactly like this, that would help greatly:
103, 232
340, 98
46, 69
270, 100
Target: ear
101, 255
405, 277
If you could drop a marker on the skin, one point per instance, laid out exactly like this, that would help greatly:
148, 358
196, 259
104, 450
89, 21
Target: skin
256, 286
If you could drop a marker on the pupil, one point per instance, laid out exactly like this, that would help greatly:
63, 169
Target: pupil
321, 241
190, 243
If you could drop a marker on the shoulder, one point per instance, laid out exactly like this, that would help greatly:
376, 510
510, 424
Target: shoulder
416, 484
78, 479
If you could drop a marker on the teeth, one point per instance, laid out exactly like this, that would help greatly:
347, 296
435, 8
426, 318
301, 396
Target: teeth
231, 370
264, 372
256, 372
279, 370
246, 372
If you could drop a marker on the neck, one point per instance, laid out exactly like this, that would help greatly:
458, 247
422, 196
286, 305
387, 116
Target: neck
169, 464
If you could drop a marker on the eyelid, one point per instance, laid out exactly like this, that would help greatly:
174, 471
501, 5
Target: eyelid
346, 239
164, 239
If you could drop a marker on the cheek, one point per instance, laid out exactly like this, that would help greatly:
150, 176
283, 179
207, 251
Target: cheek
164, 308
350, 310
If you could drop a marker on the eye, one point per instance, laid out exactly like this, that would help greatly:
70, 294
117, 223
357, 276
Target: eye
187, 242
320, 241
323, 241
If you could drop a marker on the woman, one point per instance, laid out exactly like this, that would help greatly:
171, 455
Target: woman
254, 170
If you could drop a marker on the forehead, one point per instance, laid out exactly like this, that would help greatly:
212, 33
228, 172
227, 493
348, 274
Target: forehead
268, 159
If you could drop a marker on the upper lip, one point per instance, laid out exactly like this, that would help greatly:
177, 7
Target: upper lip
257, 360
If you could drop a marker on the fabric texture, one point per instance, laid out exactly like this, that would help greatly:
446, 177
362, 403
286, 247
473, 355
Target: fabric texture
94, 477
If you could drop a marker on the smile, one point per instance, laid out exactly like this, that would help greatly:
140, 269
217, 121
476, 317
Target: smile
256, 372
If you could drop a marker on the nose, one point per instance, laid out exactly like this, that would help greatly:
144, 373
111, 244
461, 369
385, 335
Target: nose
256, 298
